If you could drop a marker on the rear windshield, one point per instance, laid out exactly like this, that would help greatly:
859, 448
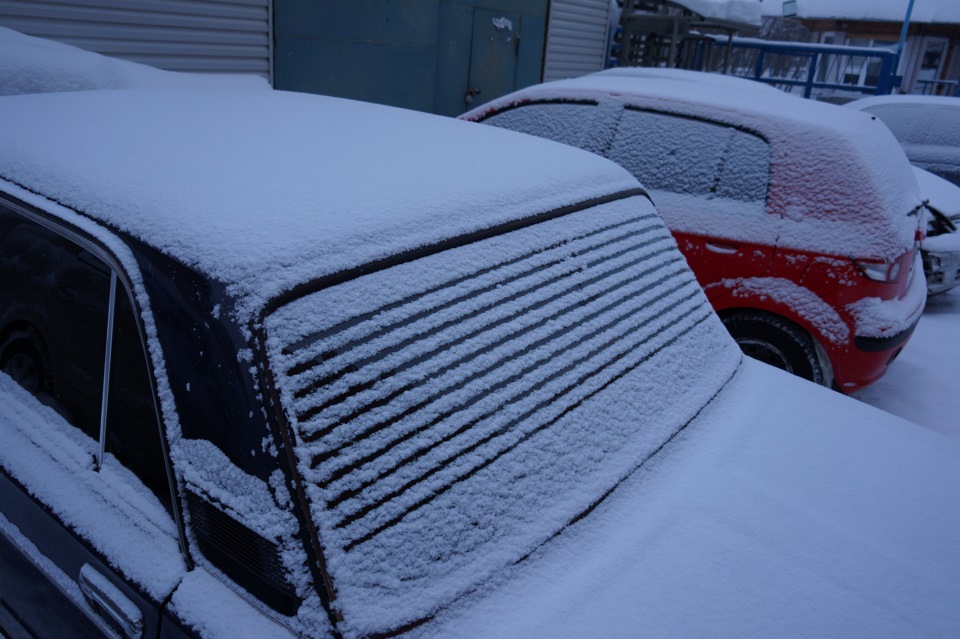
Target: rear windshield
454, 412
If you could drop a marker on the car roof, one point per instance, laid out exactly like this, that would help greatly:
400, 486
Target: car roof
824, 159
36, 65
266, 190
685, 75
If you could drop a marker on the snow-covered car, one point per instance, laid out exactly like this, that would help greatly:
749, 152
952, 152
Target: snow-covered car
281, 365
927, 126
37, 65
940, 249
800, 220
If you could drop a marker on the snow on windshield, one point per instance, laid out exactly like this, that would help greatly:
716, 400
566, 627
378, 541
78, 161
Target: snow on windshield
454, 412
35, 65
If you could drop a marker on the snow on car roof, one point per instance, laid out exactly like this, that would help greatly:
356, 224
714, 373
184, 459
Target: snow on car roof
265, 190
830, 167
36, 65
686, 75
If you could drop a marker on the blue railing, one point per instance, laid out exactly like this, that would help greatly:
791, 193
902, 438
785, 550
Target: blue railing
795, 64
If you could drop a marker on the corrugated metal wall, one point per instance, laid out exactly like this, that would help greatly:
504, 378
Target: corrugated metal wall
576, 38
178, 35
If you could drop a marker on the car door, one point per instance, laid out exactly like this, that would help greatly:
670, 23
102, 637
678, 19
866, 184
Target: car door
88, 518
709, 181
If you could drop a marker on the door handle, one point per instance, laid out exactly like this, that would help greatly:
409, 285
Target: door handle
107, 599
722, 247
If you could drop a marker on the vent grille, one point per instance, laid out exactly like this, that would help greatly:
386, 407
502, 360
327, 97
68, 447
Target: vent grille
243, 555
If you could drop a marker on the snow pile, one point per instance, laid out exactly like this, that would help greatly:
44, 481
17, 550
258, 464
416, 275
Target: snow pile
35, 65
455, 412
265, 190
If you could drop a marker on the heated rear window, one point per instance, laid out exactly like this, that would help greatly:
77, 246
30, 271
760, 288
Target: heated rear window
454, 412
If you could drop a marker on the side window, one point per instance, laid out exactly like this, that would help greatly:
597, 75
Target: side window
576, 124
679, 155
54, 318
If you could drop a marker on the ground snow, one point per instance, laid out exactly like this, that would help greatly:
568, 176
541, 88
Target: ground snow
921, 385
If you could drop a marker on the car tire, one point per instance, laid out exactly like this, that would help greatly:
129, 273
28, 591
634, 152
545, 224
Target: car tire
23, 358
778, 342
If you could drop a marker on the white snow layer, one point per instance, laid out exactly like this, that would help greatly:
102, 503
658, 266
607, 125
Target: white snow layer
942, 194
455, 412
35, 65
935, 11
747, 11
265, 190
109, 508
785, 510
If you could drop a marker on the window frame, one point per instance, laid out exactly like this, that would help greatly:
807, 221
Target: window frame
118, 279
627, 106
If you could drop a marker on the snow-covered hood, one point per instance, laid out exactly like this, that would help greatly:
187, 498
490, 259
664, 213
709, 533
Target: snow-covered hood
812, 515
941, 194
265, 190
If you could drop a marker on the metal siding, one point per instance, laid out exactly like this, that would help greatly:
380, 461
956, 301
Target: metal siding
178, 35
576, 38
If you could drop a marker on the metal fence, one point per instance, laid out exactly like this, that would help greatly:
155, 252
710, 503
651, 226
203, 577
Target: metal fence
795, 65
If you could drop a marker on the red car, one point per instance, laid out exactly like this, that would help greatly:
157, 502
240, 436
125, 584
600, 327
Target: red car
800, 219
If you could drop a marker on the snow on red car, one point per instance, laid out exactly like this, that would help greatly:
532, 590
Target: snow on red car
800, 219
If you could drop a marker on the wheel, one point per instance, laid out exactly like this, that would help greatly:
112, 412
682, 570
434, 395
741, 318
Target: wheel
22, 358
778, 342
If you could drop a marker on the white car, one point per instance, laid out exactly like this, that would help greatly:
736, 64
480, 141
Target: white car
280, 365
941, 248
927, 126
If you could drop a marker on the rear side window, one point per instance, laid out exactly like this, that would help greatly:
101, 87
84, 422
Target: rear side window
577, 124
54, 320
680, 155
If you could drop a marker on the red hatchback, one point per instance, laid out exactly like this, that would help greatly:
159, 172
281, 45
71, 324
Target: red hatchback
800, 219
